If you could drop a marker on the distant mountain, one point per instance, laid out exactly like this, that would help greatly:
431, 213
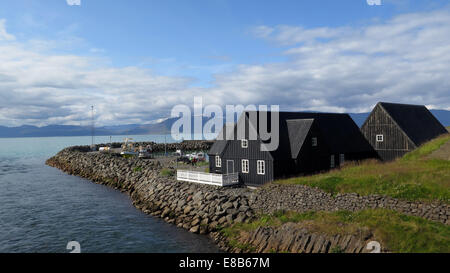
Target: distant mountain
163, 127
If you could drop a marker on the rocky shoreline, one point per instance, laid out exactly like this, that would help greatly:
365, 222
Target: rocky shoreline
205, 209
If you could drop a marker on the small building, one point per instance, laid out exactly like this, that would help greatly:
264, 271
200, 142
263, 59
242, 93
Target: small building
308, 143
396, 129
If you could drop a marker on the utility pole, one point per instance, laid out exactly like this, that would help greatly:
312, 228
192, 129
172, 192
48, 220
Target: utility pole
92, 127
165, 144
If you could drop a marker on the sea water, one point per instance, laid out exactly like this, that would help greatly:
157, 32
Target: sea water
42, 209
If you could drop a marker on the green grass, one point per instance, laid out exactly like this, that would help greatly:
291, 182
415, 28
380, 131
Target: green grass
396, 232
137, 169
413, 177
167, 172
202, 163
426, 149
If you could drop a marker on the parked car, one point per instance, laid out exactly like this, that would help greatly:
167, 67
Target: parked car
201, 157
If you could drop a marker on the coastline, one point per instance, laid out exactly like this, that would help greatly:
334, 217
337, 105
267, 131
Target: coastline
207, 209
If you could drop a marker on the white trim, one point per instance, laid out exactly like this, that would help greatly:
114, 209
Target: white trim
314, 141
261, 167
244, 143
245, 165
341, 159
218, 162
380, 138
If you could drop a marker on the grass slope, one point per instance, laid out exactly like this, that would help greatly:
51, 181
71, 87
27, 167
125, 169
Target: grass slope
413, 177
396, 232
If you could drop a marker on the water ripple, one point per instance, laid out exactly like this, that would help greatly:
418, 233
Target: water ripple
43, 209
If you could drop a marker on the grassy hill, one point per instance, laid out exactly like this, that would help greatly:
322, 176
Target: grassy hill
416, 176
396, 232
419, 175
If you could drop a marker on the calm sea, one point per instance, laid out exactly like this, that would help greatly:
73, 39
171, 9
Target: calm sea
42, 209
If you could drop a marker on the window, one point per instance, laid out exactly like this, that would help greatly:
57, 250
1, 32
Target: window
341, 159
218, 161
314, 141
244, 143
245, 166
332, 163
261, 167
380, 138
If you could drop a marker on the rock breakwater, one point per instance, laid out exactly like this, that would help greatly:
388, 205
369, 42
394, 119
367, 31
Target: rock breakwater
291, 238
198, 208
206, 209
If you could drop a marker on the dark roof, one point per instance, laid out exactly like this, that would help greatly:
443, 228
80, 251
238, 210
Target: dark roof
415, 120
338, 130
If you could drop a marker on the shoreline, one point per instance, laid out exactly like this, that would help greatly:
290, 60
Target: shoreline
205, 209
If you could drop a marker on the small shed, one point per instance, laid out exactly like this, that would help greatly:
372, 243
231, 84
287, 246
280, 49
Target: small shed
395, 129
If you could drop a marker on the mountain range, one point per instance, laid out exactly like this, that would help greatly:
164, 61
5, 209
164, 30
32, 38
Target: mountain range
140, 129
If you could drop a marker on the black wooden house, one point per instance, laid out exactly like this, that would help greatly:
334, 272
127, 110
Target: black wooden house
396, 129
308, 143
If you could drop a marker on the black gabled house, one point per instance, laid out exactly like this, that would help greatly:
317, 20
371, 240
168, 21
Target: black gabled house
308, 143
395, 129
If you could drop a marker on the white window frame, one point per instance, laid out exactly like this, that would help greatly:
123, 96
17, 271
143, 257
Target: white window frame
218, 161
261, 167
341, 159
245, 165
332, 162
380, 138
244, 143
314, 141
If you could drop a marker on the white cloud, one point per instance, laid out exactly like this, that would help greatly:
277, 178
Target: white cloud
405, 59
38, 88
288, 35
3, 34
73, 2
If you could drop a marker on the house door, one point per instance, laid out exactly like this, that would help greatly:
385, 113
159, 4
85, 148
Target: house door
230, 166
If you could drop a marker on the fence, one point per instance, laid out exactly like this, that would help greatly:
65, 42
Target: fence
222, 180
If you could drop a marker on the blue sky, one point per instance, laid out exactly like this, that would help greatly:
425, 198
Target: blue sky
143, 57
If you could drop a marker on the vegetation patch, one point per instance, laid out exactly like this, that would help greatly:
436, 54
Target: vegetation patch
202, 163
137, 169
426, 149
168, 172
413, 177
395, 231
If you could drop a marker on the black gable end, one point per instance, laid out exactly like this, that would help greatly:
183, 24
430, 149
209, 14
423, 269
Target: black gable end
395, 129
416, 121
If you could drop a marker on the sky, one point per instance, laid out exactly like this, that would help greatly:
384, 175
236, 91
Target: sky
135, 60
